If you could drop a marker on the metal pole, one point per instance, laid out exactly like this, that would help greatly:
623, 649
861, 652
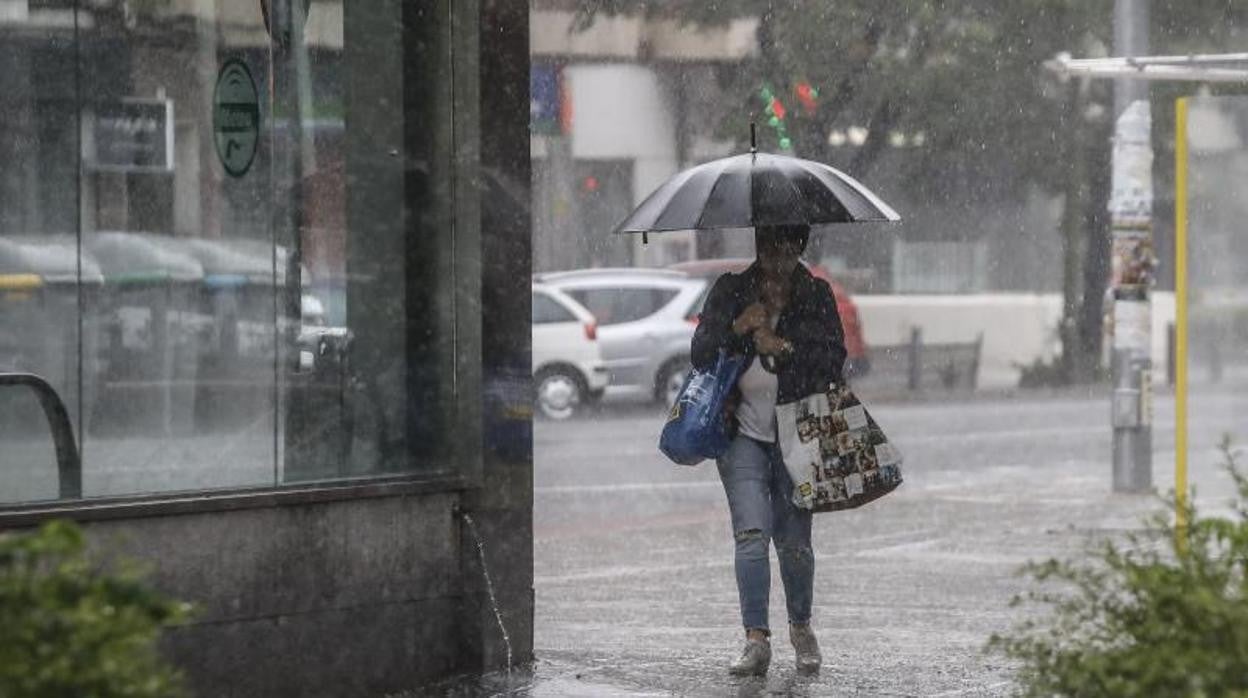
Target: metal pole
1130, 39
915, 380
1131, 209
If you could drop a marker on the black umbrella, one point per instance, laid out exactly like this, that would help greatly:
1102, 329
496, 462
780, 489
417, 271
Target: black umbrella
756, 189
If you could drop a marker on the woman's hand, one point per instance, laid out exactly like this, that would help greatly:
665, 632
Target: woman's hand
768, 343
751, 319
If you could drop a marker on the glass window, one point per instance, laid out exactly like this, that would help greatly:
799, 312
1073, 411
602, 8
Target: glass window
616, 305
547, 310
224, 234
29, 471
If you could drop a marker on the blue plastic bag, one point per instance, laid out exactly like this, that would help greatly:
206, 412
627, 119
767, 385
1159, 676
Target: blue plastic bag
697, 427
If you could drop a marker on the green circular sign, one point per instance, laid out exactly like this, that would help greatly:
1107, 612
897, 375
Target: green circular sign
236, 117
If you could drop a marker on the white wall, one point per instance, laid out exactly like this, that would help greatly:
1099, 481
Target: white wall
620, 112
1017, 328
624, 38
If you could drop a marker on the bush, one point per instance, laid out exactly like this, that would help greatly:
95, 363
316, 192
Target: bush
70, 628
1165, 614
1042, 374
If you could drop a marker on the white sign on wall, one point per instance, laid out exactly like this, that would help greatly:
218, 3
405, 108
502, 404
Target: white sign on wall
129, 135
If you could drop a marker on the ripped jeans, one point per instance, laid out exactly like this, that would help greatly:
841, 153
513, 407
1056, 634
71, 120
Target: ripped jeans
759, 491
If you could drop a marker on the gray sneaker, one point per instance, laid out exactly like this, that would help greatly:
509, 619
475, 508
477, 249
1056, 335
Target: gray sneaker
754, 660
806, 647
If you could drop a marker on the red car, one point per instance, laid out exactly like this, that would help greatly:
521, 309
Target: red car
856, 363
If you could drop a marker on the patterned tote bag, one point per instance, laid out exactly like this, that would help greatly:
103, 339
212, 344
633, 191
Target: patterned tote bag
836, 454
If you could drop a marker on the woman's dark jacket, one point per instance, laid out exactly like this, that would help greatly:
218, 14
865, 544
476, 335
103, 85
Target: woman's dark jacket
809, 321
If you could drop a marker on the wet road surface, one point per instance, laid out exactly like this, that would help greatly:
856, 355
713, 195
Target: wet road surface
633, 555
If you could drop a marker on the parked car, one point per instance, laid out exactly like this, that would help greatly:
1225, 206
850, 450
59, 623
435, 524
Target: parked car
646, 319
857, 361
568, 370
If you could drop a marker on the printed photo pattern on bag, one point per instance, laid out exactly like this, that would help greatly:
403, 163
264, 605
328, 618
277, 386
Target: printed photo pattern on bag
838, 456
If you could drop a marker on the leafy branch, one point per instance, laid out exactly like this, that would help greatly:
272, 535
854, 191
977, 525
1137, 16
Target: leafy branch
1163, 614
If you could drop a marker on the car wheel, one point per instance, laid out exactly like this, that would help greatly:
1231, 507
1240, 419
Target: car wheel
559, 393
671, 379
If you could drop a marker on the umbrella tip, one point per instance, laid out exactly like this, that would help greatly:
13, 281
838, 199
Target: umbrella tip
753, 138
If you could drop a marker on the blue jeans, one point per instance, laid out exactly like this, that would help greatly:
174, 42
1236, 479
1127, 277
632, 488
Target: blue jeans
759, 495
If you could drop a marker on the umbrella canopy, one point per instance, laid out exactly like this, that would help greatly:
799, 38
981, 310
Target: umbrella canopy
756, 189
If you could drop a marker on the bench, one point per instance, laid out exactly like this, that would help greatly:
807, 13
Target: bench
918, 366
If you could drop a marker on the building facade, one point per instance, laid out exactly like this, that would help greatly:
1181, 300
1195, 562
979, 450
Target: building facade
617, 108
624, 101
269, 255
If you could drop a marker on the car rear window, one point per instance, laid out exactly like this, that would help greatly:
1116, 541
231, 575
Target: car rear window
546, 310
615, 305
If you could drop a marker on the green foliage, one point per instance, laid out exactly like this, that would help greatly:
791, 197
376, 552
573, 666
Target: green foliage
966, 74
1042, 373
70, 628
1165, 614
1181, 27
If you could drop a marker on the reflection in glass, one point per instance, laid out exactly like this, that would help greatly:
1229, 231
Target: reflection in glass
28, 470
215, 320
186, 364
365, 175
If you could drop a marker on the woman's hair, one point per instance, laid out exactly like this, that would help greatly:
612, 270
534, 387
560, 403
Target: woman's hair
799, 232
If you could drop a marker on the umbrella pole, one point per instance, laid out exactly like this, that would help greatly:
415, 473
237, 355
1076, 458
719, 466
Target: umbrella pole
645, 237
753, 139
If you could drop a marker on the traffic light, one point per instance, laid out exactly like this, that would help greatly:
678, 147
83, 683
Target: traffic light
776, 108
806, 95
776, 114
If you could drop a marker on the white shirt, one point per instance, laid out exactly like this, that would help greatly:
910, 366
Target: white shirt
756, 414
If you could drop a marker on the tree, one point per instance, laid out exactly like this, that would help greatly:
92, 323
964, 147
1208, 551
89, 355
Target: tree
967, 75
964, 81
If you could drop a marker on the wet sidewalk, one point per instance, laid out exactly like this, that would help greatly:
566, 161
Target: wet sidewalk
907, 592
634, 580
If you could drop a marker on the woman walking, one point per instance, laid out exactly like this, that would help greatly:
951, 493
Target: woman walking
785, 322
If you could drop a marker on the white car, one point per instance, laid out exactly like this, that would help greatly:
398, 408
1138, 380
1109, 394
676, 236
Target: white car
568, 370
646, 321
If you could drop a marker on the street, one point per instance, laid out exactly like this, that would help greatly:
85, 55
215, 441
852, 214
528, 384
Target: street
633, 555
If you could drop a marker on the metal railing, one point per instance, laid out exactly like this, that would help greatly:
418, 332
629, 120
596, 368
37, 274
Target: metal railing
68, 462
925, 366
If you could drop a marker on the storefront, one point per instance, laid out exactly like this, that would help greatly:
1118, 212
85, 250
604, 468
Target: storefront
268, 254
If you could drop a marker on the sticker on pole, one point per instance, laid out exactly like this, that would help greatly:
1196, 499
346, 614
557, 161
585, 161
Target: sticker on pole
1133, 326
236, 117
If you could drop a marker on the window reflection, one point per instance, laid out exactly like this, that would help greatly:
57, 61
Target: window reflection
28, 460
214, 323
